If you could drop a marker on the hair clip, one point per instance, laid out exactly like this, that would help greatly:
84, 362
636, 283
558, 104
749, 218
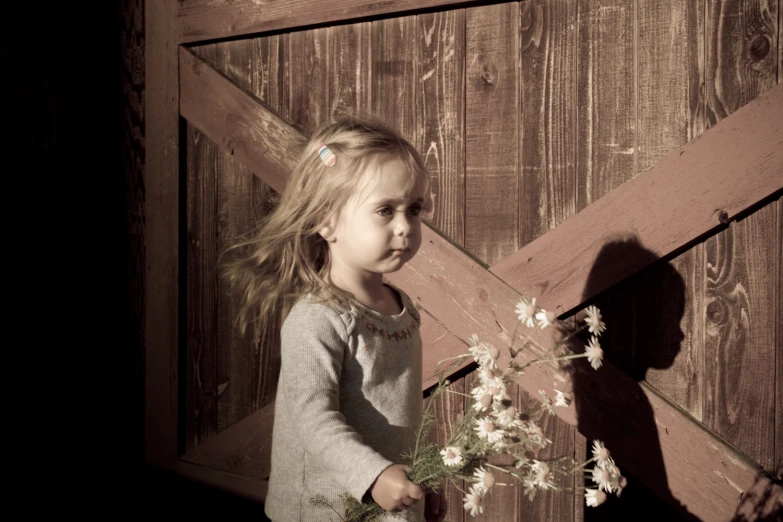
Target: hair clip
327, 156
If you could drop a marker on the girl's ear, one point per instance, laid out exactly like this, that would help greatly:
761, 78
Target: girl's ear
327, 231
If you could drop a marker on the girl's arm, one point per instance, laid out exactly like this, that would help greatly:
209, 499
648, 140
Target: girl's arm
313, 344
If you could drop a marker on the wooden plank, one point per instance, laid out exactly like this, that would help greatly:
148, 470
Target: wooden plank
237, 368
668, 57
550, 505
199, 20
271, 87
454, 288
547, 158
237, 121
448, 409
245, 448
440, 116
682, 435
161, 182
740, 335
492, 37
492, 131
721, 165
202, 340
308, 78
606, 108
237, 484
740, 54
779, 349
547, 192
350, 68
394, 82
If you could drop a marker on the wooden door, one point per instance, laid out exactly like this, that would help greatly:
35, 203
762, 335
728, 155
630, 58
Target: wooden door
597, 115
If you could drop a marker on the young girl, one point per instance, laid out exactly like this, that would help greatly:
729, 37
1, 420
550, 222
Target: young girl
349, 393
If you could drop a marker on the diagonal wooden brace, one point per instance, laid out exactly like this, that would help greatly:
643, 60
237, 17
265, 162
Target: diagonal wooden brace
716, 172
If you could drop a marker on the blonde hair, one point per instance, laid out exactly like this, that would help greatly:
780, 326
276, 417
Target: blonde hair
285, 257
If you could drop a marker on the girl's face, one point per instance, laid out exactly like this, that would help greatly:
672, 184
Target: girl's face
379, 229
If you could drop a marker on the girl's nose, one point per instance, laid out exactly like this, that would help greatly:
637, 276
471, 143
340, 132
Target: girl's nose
403, 227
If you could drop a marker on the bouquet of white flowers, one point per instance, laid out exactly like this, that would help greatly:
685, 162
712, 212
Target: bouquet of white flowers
494, 426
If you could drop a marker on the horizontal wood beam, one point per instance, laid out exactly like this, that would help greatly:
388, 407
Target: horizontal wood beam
245, 486
201, 20
467, 298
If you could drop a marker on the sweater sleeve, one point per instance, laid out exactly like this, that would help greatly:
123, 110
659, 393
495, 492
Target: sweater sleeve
313, 347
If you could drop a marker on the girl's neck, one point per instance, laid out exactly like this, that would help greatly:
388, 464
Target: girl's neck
370, 291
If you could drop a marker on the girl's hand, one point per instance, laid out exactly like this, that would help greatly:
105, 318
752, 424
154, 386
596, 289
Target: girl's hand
393, 491
435, 506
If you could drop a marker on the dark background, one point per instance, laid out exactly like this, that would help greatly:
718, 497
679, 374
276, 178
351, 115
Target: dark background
74, 360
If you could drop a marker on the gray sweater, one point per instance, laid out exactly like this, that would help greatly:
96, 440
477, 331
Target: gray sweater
348, 404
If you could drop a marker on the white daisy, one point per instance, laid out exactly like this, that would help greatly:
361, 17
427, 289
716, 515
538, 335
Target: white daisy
483, 404
545, 318
452, 455
535, 434
484, 479
606, 477
600, 453
491, 377
543, 475
593, 319
507, 416
595, 354
562, 399
526, 311
487, 429
594, 497
530, 488
474, 501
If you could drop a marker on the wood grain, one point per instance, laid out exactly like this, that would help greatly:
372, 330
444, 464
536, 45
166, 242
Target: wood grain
547, 153
350, 68
492, 131
448, 409
199, 20
201, 305
643, 207
550, 505
162, 215
440, 116
394, 84
237, 121
740, 54
308, 78
779, 347
463, 273
491, 163
670, 321
740, 335
233, 217
606, 106
548, 187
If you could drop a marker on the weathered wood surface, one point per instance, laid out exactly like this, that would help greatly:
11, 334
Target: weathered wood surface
440, 114
646, 174
238, 122
161, 184
200, 20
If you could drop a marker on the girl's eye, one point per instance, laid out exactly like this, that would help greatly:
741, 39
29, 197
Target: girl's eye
415, 210
386, 212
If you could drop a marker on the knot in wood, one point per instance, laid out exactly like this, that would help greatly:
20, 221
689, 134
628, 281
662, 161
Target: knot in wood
759, 48
487, 74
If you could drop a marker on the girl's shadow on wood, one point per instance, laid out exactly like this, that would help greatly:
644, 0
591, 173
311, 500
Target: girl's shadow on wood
642, 315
